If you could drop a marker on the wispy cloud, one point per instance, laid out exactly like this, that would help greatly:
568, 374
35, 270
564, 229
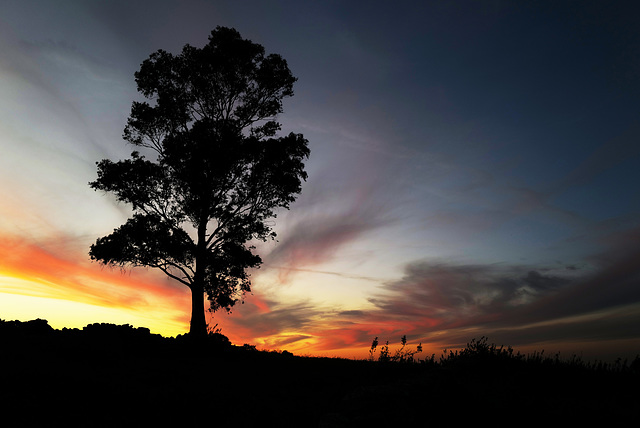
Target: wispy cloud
61, 111
324, 223
317, 239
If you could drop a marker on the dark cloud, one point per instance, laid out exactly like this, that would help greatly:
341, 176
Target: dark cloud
539, 282
621, 324
353, 313
613, 286
518, 304
442, 292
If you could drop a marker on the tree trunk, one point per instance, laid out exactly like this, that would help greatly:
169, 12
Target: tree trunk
198, 322
198, 328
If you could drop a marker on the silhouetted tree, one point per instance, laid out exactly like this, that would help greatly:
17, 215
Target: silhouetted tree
218, 171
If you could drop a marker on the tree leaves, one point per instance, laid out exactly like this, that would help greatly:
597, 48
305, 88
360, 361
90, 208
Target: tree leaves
220, 170
147, 240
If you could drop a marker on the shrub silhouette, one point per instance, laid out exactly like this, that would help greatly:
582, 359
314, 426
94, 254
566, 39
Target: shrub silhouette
479, 352
37, 327
402, 355
115, 331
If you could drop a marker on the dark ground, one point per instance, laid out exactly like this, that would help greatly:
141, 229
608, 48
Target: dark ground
118, 376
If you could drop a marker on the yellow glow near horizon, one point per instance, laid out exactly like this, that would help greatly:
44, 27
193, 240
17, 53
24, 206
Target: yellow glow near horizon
26, 299
40, 283
71, 314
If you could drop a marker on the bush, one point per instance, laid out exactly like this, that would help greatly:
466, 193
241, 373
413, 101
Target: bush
402, 355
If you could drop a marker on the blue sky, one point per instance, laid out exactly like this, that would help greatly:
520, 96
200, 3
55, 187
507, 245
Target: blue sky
474, 165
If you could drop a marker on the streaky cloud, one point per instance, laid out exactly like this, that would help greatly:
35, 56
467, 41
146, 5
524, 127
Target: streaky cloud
317, 235
324, 272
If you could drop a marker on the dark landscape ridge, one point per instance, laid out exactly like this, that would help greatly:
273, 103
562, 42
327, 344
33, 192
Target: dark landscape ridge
118, 375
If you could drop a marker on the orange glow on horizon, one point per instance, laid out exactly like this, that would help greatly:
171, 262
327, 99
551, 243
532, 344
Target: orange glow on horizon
29, 270
37, 282
69, 291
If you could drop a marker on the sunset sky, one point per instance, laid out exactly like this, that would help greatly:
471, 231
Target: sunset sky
474, 170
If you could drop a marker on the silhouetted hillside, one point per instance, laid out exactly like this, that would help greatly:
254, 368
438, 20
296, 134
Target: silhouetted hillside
108, 375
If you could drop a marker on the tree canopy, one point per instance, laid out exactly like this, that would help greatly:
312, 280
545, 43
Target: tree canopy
213, 172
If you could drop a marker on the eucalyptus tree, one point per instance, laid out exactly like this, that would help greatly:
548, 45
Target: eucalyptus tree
213, 171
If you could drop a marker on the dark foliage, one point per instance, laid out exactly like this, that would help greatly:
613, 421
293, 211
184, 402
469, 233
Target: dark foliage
107, 375
37, 327
218, 174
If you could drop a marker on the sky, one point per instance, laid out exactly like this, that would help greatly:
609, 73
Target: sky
474, 171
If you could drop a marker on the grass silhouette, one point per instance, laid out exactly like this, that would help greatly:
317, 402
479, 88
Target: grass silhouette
108, 375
